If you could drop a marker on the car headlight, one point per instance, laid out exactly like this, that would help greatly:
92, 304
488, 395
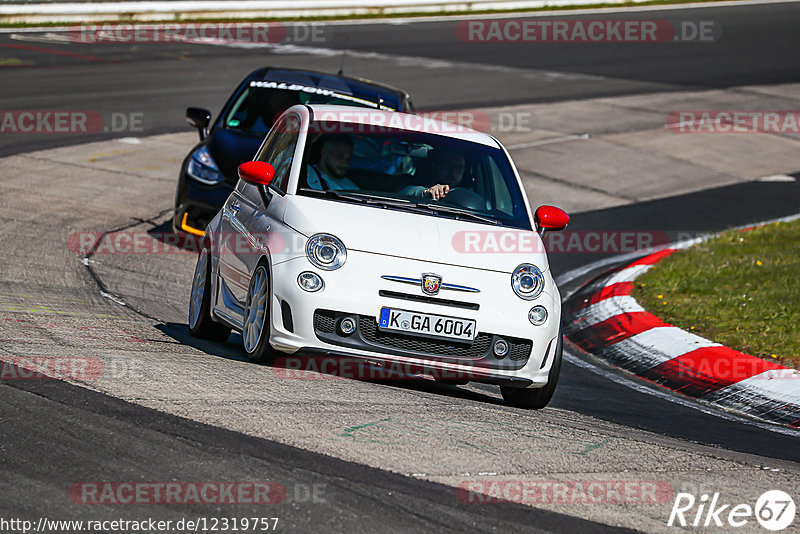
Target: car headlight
203, 168
326, 252
527, 281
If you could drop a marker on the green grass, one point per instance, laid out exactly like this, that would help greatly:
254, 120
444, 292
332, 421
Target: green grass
376, 15
739, 289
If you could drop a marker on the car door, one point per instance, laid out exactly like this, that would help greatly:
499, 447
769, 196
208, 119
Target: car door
250, 215
233, 274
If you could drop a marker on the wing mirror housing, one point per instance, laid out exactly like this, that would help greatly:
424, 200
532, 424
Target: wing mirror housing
200, 119
257, 172
550, 218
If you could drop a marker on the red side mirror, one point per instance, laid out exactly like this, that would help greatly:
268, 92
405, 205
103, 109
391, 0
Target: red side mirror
256, 172
550, 218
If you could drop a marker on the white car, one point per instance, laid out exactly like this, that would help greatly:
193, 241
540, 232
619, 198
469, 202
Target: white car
387, 237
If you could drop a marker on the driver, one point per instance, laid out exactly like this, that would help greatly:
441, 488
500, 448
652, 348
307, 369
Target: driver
445, 172
265, 106
334, 162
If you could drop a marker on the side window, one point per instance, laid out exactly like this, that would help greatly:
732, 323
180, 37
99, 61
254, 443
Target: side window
280, 148
502, 196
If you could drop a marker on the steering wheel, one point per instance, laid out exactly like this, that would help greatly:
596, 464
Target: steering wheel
465, 198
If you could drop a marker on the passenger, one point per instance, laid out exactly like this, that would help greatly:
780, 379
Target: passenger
334, 162
446, 171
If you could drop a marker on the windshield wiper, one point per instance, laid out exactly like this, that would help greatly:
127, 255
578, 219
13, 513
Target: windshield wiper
329, 193
419, 207
357, 197
457, 212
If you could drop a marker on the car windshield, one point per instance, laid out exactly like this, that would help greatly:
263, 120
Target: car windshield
260, 103
400, 169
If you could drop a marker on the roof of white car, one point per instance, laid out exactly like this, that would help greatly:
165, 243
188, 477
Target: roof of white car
403, 121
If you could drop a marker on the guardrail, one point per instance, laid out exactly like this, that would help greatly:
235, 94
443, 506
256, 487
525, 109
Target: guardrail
175, 10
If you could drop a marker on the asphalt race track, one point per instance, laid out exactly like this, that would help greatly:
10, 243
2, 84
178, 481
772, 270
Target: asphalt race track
758, 47
352, 455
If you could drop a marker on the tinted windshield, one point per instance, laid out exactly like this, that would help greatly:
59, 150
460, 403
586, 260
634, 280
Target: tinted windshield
399, 169
260, 103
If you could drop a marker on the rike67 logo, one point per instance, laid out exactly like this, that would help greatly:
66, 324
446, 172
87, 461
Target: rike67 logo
774, 510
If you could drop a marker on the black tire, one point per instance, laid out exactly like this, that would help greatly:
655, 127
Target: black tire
536, 398
201, 325
258, 350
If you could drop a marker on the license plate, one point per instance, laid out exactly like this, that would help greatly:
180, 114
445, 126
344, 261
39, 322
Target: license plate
426, 324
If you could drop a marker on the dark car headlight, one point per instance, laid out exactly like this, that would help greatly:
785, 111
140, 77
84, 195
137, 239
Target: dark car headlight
203, 168
527, 281
326, 252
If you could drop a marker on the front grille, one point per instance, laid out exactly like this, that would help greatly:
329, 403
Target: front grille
519, 350
325, 321
325, 324
368, 327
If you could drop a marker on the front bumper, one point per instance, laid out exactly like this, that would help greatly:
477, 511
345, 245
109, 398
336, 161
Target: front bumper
196, 204
306, 322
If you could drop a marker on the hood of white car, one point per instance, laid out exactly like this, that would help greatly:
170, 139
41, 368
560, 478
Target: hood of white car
416, 236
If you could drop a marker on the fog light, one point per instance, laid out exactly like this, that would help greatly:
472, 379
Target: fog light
500, 348
537, 316
347, 326
309, 281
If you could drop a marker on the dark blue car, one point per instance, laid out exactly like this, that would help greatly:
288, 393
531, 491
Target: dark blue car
209, 172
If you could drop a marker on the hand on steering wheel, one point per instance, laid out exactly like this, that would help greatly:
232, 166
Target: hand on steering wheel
437, 191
